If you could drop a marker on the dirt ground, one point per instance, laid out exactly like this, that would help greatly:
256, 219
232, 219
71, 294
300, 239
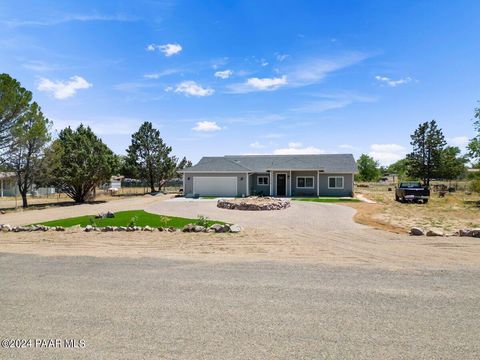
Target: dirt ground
306, 232
457, 210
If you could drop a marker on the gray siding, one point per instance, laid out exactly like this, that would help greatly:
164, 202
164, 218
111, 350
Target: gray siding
300, 191
241, 181
347, 185
256, 189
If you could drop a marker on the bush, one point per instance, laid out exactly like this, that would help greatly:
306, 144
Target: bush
202, 221
474, 186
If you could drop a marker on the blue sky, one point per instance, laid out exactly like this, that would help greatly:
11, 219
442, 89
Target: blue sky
250, 77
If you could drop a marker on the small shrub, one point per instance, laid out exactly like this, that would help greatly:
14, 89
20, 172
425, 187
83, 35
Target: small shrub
164, 220
474, 185
92, 222
202, 221
133, 221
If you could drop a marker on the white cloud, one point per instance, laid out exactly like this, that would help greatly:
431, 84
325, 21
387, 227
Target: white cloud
158, 75
263, 62
332, 101
206, 126
296, 148
166, 49
225, 74
460, 141
193, 89
259, 84
281, 57
387, 154
257, 145
63, 89
393, 83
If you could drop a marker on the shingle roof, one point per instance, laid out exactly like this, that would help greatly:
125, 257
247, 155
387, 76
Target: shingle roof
331, 163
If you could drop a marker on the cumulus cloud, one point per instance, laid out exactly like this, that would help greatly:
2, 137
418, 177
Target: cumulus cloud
460, 141
191, 88
281, 57
63, 89
206, 126
296, 148
387, 154
257, 145
267, 83
393, 83
225, 74
166, 49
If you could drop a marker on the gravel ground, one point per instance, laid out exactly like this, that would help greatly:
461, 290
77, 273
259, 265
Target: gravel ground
163, 309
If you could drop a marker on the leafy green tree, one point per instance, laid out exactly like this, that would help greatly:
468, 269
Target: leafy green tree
14, 105
452, 163
25, 154
425, 160
149, 155
368, 169
399, 168
474, 144
81, 162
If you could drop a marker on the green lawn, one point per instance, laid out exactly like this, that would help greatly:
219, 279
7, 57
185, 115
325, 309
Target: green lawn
124, 218
327, 199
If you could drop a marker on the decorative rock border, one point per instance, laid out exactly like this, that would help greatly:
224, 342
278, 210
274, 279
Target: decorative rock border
215, 228
416, 231
249, 204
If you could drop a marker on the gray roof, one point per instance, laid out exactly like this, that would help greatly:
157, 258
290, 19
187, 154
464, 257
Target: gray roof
331, 163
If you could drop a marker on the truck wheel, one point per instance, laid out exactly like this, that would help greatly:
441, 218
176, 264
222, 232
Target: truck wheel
397, 198
425, 201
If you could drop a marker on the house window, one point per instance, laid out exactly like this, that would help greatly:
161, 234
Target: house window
335, 182
305, 182
262, 180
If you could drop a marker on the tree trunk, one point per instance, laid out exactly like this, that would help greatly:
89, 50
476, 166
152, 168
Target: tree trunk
24, 199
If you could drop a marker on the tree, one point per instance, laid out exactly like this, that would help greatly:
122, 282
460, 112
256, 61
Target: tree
474, 144
149, 155
14, 105
81, 162
425, 159
368, 168
399, 168
452, 163
30, 137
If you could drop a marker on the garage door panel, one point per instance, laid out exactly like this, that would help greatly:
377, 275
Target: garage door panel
215, 186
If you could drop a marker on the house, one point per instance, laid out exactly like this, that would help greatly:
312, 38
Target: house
274, 175
9, 187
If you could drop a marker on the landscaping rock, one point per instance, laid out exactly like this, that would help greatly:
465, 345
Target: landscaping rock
88, 228
218, 228
110, 215
235, 228
148, 228
188, 228
6, 227
160, 229
254, 203
435, 232
122, 228
59, 228
470, 232
415, 231
198, 228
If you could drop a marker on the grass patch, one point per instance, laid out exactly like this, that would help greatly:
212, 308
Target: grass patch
209, 197
131, 218
327, 199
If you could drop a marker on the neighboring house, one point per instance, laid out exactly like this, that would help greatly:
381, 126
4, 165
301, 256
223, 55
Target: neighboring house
115, 183
8, 186
275, 175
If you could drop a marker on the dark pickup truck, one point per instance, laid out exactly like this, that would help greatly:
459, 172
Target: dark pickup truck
412, 191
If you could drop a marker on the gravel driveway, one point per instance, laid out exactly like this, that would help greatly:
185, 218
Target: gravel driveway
161, 309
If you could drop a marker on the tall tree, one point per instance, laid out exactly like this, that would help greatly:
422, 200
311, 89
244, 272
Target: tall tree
14, 104
474, 144
148, 154
452, 163
30, 137
425, 159
81, 162
367, 168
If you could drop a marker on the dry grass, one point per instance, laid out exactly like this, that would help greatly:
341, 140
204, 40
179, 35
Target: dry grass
455, 211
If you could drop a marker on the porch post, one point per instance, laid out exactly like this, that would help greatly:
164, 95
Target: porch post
290, 191
271, 183
248, 189
183, 184
1, 182
318, 183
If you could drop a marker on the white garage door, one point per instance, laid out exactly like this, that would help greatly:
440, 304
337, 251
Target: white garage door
215, 186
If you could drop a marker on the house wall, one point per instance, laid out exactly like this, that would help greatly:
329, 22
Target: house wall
241, 184
257, 189
304, 192
347, 185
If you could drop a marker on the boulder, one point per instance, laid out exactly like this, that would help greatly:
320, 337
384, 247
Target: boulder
188, 228
88, 228
110, 215
435, 232
59, 228
218, 228
198, 228
415, 231
148, 228
122, 228
6, 227
235, 228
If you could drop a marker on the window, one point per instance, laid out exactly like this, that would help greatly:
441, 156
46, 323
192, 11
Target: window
262, 180
335, 182
305, 182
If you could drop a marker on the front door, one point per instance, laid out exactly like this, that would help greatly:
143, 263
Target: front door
281, 185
